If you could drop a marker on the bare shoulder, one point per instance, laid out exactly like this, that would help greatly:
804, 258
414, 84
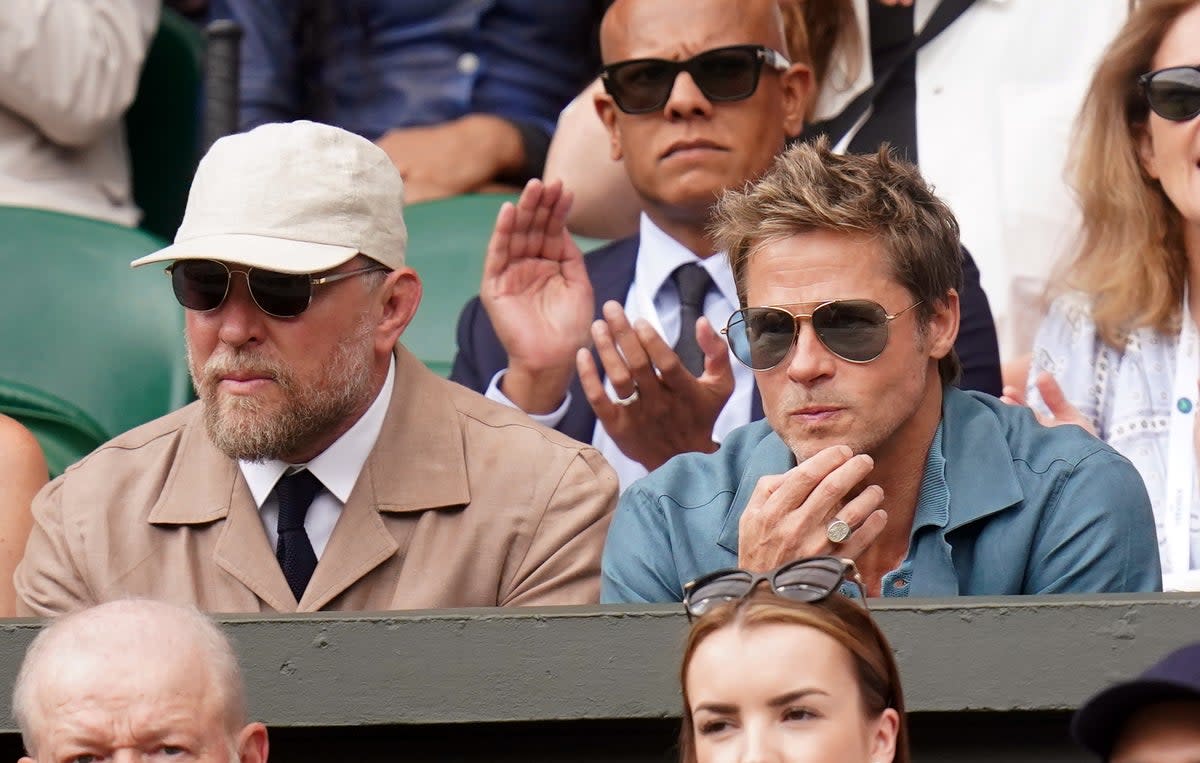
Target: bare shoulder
20, 454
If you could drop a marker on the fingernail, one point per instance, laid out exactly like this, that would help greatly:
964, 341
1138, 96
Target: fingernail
845, 451
870, 461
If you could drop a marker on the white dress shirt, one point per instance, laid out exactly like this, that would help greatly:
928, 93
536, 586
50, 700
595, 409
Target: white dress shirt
654, 297
997, 95
337, 467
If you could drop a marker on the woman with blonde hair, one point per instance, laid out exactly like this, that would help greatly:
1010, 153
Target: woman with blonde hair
792, 671
1118, 353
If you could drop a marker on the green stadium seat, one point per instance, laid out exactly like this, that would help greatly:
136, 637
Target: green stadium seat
446, 243
80, 325
65, 432
163, 124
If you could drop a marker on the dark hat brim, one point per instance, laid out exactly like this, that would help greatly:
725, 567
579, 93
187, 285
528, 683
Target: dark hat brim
1097, 724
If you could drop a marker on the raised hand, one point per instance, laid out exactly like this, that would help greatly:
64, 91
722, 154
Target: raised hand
663, 410
1061, 411
787, 514
537, 293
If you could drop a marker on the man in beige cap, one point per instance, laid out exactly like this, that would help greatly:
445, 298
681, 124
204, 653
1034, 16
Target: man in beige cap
324, 467
134, 680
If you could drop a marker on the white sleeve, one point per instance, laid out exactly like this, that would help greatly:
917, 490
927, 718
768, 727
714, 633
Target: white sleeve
1069, 349
71, 67
551, 419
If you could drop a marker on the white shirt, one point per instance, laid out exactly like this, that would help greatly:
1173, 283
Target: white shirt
653, 296
997, 95
337, 467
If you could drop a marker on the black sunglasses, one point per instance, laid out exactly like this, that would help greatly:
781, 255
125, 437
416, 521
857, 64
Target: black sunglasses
807, 580
1173, 93
202, 285
853, 329
643, 85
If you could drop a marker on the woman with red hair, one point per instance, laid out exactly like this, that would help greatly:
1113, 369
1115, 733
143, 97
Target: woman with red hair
789, 671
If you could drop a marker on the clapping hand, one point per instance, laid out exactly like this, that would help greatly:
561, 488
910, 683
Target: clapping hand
537, 293
663, 410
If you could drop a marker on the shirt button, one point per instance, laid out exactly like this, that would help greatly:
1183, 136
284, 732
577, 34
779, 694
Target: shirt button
468, 63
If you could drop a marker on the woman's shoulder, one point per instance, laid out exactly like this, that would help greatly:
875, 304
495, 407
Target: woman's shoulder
19, 449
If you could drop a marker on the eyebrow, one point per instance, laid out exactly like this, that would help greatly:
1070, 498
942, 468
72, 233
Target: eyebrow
790, 697
780, 701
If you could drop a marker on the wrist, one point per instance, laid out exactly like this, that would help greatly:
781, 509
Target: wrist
499, 140
536, 391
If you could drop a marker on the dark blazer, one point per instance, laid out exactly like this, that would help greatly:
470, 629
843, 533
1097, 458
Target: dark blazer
611, 268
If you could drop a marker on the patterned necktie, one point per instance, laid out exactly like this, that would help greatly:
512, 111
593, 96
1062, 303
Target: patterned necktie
693, 283
295, 552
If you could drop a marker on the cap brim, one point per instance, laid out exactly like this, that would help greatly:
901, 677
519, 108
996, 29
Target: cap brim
270, 253
1098, 722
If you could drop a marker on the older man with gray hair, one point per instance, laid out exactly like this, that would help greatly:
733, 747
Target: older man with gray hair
134, 680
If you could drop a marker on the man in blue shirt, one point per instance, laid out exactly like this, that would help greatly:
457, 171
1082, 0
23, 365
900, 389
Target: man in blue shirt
459, 93
850, 268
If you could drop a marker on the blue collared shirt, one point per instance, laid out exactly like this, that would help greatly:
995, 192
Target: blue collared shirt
393, 63
1006, 506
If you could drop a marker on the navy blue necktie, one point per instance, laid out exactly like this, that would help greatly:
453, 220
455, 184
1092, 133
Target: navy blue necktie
295, 552
693, 283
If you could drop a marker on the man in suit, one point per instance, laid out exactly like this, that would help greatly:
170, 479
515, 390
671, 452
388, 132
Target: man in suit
660, 381
134, 680
324, 467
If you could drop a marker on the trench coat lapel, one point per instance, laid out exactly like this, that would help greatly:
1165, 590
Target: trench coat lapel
206, 486
417, 464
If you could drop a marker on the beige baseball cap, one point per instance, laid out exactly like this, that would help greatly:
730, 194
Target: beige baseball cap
295, 197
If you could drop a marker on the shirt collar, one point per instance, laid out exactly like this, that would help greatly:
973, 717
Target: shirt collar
659, 255
981, 480
977, 482
338, 466
933, 502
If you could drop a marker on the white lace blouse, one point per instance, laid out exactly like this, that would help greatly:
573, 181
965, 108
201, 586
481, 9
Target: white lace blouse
1126, 394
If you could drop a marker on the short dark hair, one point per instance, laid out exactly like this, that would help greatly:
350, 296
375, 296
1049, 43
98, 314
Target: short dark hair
879, 196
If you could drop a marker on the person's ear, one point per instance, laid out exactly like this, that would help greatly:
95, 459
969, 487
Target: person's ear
799, 90
606, 109
252, 745
942, 328
399, 296
884, 736
1146, 150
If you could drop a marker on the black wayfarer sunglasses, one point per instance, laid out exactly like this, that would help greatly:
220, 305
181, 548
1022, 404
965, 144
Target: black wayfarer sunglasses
642, 85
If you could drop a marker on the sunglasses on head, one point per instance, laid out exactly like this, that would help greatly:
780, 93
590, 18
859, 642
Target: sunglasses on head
642, 85
202, 285
1173, 93
806, 580
853, 329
